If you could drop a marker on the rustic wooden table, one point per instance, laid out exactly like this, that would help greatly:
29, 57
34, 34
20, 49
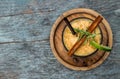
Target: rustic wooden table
24, 39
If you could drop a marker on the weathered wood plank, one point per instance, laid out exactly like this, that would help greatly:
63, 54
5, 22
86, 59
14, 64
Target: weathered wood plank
25, 28
35, 60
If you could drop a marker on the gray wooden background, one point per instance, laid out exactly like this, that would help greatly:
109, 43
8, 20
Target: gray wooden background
24, 39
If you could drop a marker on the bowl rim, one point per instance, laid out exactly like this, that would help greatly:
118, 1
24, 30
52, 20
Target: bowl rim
81, 55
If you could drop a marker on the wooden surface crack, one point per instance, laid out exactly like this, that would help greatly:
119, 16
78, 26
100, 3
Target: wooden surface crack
29, 12
11, 42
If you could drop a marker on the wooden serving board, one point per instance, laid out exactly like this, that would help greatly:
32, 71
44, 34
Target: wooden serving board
76, 62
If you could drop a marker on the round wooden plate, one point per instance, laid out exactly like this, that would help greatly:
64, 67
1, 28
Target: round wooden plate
76, 62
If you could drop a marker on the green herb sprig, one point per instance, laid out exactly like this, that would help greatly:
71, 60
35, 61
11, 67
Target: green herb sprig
90, 37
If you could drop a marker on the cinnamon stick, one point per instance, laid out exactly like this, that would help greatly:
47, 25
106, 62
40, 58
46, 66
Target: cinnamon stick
81, 41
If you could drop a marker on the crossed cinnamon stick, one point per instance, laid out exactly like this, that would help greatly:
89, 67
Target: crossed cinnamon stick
81, 41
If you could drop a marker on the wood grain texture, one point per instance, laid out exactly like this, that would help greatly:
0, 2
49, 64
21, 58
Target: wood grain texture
24, 36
